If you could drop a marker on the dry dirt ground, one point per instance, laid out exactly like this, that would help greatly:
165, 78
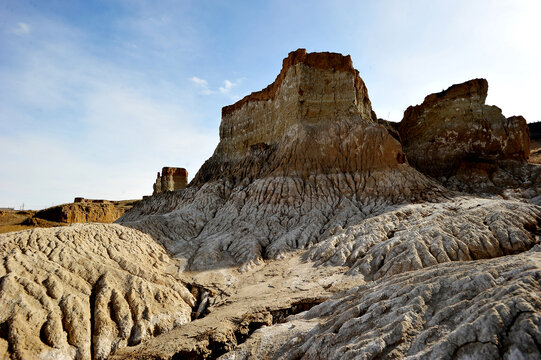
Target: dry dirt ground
16, 220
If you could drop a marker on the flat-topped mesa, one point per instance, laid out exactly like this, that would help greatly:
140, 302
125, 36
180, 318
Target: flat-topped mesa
311, 88
170, 179
455, 126
314, 119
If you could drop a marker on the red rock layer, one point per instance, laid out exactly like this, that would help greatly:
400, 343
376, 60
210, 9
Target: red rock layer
321, 60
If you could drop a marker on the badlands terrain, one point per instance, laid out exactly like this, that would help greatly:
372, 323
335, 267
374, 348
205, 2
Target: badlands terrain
316, 230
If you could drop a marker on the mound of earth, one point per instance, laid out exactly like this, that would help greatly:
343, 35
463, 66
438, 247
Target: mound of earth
102, 211
84, 291
307, 234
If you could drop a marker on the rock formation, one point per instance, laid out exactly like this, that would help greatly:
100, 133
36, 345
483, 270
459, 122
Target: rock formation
170, 179
321, 161
306, 235
469, 146
454, 133
81, 213
85, 210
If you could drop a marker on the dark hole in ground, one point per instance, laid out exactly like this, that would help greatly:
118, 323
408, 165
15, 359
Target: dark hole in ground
202, 297
245, 329
4, 331
279, 316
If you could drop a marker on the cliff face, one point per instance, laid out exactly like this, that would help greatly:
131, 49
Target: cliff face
455, 125
311, 89
316, 117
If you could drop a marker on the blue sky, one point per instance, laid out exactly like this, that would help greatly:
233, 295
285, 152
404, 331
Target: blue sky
97, 96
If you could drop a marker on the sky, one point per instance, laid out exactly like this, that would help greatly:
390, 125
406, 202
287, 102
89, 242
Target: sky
97, 96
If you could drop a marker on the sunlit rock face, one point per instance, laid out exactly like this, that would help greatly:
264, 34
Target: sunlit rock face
295, 161
455, 126
316, 117
311, 88
170, 179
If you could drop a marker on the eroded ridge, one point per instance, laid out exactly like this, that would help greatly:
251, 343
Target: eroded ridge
421, 235
84, 291
488, 309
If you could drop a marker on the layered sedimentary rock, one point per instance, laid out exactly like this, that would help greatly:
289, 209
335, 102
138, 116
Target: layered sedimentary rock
455, 127
315, 118
295, 161
170, 179
82, 212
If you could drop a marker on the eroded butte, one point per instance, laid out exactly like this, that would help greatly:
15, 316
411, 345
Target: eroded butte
309, 235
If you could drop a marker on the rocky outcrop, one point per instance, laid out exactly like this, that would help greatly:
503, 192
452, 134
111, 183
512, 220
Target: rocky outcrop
455, 126
307, 149
170, 179
315, 118
85, 210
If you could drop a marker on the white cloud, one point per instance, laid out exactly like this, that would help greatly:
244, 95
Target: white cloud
21, 29
199, 81
227, 87
202, 84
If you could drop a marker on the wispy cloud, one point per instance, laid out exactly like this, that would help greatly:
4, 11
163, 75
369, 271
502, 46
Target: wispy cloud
228, 85
21, 29
202, 84
77, 124
199, 82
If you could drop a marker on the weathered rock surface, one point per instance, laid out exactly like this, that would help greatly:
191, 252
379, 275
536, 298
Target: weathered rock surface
170, 179
415, 239
84, 291
455, 125
416, 236
485, 309
308, 199
295, 161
